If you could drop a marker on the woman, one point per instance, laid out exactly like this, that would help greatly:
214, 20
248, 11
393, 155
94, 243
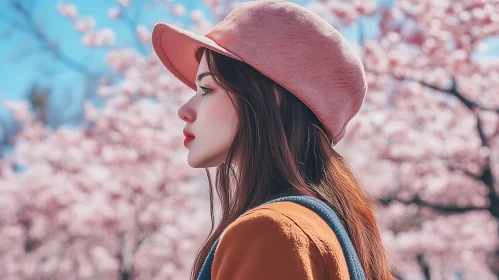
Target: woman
276, 86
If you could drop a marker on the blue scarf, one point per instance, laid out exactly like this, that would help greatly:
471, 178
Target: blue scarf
328, 215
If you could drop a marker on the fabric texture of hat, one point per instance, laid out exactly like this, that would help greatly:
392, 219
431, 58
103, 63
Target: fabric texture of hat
286, 42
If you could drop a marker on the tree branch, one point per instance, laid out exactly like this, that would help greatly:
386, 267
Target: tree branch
33, 29
488, 177
452, 91
131, 23
444, 209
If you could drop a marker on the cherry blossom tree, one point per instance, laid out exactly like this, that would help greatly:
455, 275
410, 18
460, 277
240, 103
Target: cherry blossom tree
112, 199
115, 198
429, 134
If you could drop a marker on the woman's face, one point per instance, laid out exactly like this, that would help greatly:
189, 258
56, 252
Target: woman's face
211, 118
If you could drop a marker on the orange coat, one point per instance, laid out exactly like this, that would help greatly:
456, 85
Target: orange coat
280, 240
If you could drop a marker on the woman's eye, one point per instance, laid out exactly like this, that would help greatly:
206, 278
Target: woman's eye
206, 90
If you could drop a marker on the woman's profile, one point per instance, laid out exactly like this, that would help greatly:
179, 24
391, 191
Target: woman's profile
276, 86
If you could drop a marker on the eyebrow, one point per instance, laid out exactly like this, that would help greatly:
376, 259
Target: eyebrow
202, 75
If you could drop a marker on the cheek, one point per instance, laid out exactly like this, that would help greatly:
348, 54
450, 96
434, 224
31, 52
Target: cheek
221, 117
221, 111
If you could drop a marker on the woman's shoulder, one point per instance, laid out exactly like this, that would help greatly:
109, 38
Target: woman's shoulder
310, 223
286, 234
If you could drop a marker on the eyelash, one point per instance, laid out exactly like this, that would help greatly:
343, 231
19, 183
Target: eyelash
203, 88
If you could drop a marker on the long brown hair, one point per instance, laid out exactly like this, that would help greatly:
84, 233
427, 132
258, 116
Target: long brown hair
282, 149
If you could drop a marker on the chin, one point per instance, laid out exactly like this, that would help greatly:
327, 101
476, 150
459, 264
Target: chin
204, 162
199, 163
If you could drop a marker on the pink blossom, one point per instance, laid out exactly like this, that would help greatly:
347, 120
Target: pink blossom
106, 36
67, 10
197, 16
103, 37
177, 10
343, 11
121, 60
85, 24
365, 7
144, 34
20, 110
124, 3
114, 13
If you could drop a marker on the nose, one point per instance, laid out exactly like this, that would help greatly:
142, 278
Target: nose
186, 113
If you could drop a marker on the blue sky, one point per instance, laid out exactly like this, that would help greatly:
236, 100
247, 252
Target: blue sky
24, 61
20, 67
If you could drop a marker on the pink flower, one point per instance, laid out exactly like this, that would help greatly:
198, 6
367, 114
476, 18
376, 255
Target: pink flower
121, 60
177, 10
20, 110
67, 10
197, 16
366, 7
124, 3
106, 36
114, 13
343, 11
143, 34
85, 24
100, 38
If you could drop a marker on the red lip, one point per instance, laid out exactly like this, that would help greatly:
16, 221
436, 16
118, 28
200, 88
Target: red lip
187, 140
188, 134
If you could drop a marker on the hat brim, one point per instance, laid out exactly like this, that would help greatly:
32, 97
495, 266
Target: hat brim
176, 49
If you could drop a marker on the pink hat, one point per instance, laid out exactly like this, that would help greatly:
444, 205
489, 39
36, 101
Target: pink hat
286, 42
